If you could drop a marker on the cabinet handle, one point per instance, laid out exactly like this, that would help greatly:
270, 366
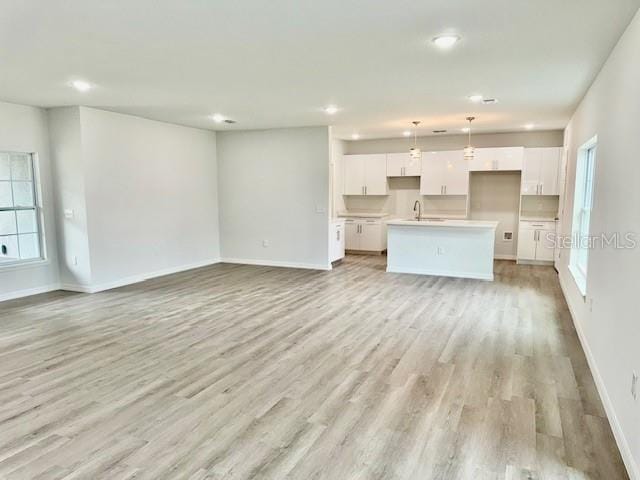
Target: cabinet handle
445, 189
338, 235
541, 189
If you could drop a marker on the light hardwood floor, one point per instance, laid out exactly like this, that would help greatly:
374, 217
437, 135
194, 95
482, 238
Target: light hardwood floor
237, 372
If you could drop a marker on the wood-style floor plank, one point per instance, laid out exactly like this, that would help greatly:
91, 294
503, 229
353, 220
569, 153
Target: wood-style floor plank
246, 372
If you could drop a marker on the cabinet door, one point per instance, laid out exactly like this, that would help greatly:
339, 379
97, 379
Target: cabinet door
456, 174
484, 159
432, 178
352, 237
545, 248
376, 174
371, 237
413, 167
396, 163
549, 169
354, 179
510, 158
527, 244
531, 171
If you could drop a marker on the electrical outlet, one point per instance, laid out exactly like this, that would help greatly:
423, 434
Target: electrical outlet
265, 243
634, 385
75, 260
440, 251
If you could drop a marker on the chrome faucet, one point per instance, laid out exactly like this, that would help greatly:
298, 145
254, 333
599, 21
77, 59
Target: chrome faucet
418, 205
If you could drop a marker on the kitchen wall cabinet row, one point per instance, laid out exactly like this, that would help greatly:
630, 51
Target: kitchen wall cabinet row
447, 172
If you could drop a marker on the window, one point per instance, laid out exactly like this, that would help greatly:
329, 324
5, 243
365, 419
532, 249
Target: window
20, 238
582, 205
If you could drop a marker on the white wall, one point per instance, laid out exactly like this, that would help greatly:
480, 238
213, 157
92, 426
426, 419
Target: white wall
496, 196
150, 193
610, 329
24, 129
69, 193
546, 138
274, 186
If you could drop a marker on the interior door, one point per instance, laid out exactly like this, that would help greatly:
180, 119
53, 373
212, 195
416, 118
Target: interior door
432, 178
456, 173
549, 168
354, 179
376, 174
396, 163
531, 171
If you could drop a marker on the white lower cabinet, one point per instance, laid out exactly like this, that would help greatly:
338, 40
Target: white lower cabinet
365, 234
336, 240
536, 241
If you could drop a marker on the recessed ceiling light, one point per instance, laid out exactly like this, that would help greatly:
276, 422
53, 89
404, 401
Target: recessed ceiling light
331, 110
529, 126
465, 130
355, 136
406, 133
446, 41
217, 117
476, 98
81, 85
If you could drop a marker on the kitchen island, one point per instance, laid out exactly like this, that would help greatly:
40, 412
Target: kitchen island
450, 248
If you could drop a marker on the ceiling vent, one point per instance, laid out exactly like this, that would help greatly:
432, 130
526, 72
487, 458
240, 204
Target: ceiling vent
439, 131
488, 101
229, 121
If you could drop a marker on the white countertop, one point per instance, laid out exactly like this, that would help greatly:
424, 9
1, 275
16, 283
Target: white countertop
527, 218
362, 215
444, 223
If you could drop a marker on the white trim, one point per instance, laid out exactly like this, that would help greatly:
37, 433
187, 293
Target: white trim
524, 261
23, 264
136, 278
504, 257
29, 291
276, 263
623, 445
440, 273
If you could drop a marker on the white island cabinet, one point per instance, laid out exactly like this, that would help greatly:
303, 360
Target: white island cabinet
449, 248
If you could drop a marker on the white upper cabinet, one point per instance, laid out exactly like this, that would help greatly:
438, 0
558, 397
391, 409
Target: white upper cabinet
488, 159
365, 174
444, 173
540, 171
402, 165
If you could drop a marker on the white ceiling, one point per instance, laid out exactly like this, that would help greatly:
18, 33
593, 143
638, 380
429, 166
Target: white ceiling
276, 63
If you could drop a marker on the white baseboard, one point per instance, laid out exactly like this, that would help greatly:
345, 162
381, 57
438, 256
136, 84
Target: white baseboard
504, 257
623, 445
135, 278
29, 291
439, 273
276, 263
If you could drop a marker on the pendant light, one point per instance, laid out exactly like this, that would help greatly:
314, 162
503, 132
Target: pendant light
468, 150
415, 151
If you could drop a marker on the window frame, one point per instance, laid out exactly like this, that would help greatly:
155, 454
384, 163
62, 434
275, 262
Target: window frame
38, 212
584, 190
